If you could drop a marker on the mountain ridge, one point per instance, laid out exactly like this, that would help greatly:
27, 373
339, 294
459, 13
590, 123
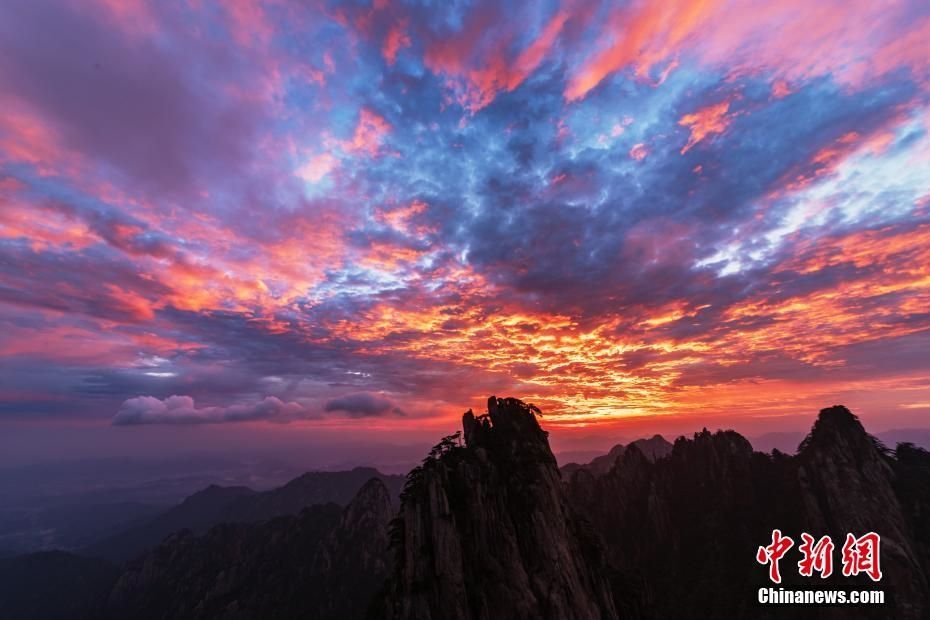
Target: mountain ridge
239, 504
489, 526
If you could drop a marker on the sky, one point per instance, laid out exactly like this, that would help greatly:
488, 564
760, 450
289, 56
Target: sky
239, 222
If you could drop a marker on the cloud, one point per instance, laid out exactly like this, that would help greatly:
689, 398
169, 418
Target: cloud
181, 410
363, 405
597, 206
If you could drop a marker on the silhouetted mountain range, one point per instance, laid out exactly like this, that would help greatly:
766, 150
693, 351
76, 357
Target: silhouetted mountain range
679, 530
324, 563
216, 504
488, 527
653, 448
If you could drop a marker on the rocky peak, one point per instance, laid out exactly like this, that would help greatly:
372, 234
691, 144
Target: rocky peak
485, 530
358, 545
509, 430
634, 458
372, 505
847, 483
839, 431
677, 529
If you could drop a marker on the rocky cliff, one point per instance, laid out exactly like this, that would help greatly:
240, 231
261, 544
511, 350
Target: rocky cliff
485, 530
847, 484
680, 530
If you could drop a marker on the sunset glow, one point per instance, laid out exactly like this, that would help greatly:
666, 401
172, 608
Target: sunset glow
374, 214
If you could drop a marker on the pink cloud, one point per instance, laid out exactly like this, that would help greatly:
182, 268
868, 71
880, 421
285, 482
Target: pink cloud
396, 39
370, 132
182, 410
639, 151
811, 39
640, 36
318, 167
476, 64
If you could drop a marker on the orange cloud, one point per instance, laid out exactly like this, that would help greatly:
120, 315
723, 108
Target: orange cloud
399, 218
129, 302
585, 372
705, 122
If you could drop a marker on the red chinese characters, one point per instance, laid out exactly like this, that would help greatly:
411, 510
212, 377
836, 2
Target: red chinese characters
773, 553
817, 556
860, 555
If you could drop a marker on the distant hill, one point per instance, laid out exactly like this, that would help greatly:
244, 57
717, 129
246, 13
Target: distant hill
324, 563
653, 448
788, 441
239, 504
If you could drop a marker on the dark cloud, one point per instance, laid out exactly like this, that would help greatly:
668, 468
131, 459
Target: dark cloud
363, 405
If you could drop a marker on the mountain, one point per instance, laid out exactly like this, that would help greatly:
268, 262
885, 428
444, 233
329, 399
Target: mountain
788, 441
680, 531
847, 484
653, 448
216, 504
488, 527
485, 530
324, 563
53, 585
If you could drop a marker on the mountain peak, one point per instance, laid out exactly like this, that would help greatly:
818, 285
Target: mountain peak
838, 417
835, 424
509, 428
372, 502
485, 530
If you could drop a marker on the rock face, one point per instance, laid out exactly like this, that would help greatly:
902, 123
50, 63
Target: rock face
485, 530
324, 563
680, 531
847, 484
